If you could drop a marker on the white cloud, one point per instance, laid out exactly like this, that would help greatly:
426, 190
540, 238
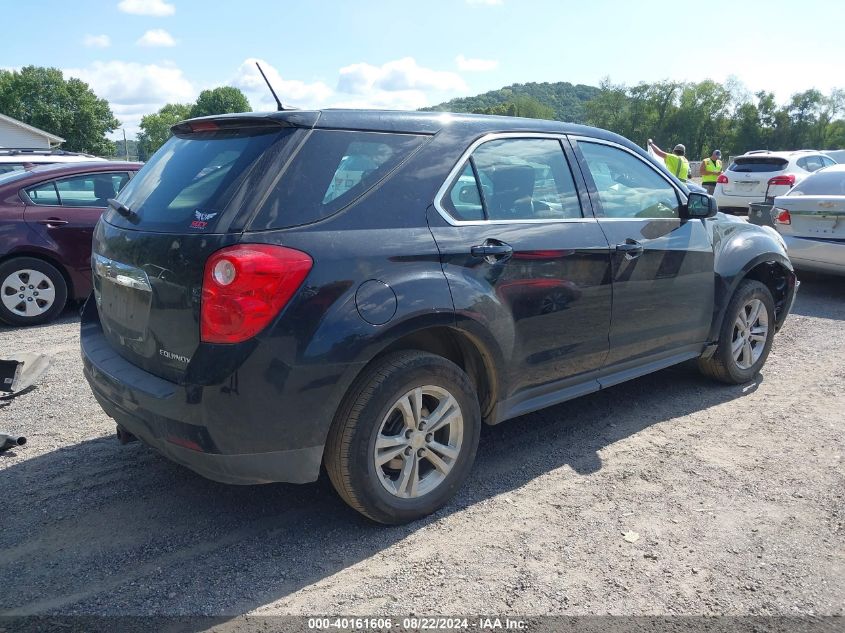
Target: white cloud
156, 8
485, 3
291, 91
476, 65
156, 38
133, 89
399, 75
384, 100
97, 41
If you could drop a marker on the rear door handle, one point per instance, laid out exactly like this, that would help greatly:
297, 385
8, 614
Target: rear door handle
492, 251
52, 222
631, 248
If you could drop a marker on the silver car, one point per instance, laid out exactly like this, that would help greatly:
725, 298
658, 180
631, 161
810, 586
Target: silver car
811, 219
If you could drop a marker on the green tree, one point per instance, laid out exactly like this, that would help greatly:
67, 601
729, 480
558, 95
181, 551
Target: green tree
222, 100
155, 128
43, 98
520, 106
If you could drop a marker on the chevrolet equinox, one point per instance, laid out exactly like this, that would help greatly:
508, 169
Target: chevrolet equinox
360, 290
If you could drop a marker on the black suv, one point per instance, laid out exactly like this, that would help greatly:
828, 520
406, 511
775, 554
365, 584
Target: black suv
361, 289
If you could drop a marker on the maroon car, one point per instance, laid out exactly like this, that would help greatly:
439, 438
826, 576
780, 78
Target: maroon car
47, 218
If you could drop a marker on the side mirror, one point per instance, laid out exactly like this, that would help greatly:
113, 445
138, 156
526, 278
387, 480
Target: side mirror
701, 205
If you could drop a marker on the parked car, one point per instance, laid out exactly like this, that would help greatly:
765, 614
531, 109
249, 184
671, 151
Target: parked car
15, 159
254, 318
836, 154
760, 175
811, 219
47, 218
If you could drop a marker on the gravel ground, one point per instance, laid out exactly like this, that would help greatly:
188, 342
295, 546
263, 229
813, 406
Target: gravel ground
736, 494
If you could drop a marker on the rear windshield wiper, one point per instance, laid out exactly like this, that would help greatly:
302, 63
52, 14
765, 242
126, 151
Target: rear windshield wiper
123, 210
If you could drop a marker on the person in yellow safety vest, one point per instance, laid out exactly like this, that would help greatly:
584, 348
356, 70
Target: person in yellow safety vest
676, 162
710, 170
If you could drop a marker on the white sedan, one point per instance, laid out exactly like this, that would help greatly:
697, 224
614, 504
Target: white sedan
811, 219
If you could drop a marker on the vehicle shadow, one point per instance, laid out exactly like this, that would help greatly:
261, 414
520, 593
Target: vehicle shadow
100, 528
820, 296
69, 315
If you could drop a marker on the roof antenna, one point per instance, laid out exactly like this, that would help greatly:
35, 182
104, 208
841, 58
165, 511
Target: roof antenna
273, 92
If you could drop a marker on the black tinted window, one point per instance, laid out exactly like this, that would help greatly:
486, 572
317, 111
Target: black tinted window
825, 183
520, 179
757, 164
463, 202
189, 182
332, 170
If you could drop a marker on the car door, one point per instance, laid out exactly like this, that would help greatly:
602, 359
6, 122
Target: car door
525, 258
64, 211
663, 280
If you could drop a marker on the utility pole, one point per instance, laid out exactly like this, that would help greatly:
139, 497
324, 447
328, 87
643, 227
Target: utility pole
125, 146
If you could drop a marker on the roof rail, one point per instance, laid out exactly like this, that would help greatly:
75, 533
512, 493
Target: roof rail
35, 151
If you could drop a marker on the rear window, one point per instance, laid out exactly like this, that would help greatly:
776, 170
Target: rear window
332, 170
188, 184
756, 164
824, 183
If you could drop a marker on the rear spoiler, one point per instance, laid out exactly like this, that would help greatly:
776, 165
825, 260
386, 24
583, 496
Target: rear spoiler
291, 119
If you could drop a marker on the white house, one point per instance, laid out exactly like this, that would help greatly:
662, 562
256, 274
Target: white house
14, 133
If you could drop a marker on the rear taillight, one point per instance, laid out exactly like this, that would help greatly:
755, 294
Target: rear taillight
722, 179
245, 286
782, 217
785, 179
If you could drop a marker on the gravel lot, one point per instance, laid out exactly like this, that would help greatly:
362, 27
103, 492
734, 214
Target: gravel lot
736, 494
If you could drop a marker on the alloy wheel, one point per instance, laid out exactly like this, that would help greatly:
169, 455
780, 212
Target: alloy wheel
750, 331
419, 441
27, 293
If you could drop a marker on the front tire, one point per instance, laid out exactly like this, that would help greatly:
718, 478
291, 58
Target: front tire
745, 338
405, 438
32, 291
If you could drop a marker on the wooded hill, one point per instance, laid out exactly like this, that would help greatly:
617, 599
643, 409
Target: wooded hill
565, 99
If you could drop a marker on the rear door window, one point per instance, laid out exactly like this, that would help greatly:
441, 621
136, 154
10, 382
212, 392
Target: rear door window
44, 195
332, 170
758, 164
85, 190
810, 163
517, 179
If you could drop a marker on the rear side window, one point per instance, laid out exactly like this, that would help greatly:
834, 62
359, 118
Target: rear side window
332, 170
189, 182
825, 183
758, 164
515, 179
87, 190
811, 163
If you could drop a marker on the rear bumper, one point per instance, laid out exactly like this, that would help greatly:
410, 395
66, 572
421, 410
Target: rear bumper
741, 201
817, 255
192, 426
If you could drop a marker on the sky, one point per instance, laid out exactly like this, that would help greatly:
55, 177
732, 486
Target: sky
405, 54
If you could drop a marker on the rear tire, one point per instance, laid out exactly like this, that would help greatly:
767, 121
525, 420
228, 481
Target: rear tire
32, 291
745, 337
405, 438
